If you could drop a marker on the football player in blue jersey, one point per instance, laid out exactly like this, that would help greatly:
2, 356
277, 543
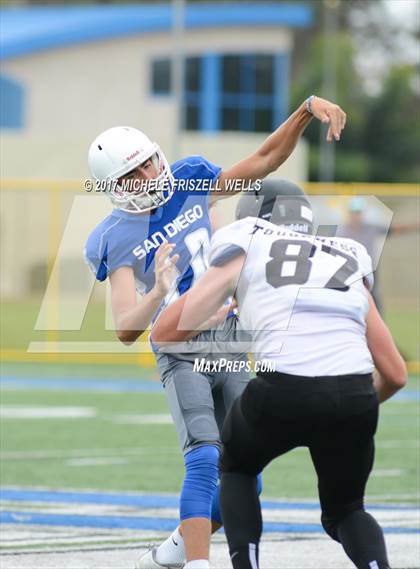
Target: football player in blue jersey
156, 242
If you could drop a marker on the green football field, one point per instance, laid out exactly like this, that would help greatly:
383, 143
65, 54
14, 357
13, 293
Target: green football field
19, 317
108, 428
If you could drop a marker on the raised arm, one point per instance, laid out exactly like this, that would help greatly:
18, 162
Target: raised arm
132, 318
391, 371
280, 144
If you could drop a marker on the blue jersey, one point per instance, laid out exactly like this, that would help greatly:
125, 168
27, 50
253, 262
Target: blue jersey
131, 240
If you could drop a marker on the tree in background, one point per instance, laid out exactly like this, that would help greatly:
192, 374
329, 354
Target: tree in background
351, 161
377, 84
392, 131
376, 51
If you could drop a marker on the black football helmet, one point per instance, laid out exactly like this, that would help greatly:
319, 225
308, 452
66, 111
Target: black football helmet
280, 202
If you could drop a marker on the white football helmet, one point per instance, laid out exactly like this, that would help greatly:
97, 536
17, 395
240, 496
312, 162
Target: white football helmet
119, 150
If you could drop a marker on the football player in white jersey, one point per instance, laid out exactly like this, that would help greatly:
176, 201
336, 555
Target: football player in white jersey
306, 303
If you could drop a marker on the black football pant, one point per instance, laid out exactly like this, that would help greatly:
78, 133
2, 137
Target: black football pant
336, 418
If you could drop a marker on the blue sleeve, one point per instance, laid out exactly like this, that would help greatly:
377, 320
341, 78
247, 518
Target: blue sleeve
193, 169
105, 253
96, 261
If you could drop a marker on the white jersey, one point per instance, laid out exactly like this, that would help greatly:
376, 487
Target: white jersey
302, 297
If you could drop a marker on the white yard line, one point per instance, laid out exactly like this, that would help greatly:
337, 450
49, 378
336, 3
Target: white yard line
88, 452
98, 461
155, 419
386, 472
291, 551
398, 444
50, 412
393, 496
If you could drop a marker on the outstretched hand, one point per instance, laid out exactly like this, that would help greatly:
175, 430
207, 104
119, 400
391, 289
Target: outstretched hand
329, 113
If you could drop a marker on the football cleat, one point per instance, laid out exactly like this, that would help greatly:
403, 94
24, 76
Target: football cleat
148, 561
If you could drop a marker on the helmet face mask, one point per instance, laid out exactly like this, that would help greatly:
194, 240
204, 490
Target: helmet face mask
142, 195
121, 150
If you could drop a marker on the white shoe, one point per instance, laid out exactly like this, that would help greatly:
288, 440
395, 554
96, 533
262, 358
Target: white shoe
148, 561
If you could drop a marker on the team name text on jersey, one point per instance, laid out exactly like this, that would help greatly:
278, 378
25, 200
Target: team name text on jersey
180, 223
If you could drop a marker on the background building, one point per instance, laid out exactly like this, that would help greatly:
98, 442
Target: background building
70, 72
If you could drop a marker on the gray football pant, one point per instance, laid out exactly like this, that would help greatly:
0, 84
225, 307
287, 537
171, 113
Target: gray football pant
199, 401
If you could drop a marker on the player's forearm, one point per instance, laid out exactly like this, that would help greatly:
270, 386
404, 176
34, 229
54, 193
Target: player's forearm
199, 308
133, 322
388, 362
278, 146
186, 317
166, 328
391, 371
385, 387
